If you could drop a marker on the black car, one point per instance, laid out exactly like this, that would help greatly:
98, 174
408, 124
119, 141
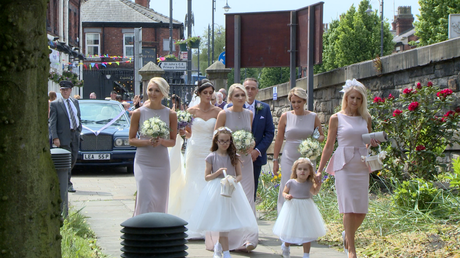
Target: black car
105, 135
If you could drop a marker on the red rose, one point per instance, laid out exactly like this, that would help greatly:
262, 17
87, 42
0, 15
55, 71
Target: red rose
457, 110
413, 106
391, 96
429, 84
420, 148
407, 91
450, 112
397, 112
419, 85
377, 99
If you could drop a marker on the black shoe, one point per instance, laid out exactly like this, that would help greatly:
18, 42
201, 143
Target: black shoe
71, 189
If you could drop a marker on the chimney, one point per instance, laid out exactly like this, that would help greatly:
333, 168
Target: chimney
145, 3
403, 20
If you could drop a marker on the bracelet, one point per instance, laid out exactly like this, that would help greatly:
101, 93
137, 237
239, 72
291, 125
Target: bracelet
275, 160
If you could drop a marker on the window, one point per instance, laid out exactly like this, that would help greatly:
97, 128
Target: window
93, 44
166, 45
128, 44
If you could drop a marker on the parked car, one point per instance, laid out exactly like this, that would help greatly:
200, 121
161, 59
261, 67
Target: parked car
105, 135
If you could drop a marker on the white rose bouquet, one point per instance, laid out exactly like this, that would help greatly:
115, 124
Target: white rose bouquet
310, 148
155, 127
184, 119
243, 141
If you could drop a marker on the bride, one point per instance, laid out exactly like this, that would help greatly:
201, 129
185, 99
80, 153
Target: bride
199, 142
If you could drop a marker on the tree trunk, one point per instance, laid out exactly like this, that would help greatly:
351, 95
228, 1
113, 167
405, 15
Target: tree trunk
29, 190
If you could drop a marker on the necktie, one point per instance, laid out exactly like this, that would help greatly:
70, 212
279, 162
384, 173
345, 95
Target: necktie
72, 116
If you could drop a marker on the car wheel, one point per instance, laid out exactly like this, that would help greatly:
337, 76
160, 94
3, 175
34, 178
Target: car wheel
130, 169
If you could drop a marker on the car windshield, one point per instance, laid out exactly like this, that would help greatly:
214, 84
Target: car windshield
102, 113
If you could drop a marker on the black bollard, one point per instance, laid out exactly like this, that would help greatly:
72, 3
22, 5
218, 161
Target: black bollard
154, 234
62, 162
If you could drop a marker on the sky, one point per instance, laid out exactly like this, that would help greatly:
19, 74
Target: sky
202, 9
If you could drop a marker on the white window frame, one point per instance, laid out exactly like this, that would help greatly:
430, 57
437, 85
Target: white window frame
166, 45
124, 43
93, 45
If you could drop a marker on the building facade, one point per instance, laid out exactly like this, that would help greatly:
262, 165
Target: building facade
109, 43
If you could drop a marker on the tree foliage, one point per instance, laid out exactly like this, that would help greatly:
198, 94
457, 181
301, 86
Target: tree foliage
354, 38
432, 24
219, 47
274, 75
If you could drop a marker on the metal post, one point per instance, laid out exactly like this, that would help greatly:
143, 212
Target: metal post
189, 34
212, 31
381, 29
209, 45
170, 26
293, 50
237, 76
310, 56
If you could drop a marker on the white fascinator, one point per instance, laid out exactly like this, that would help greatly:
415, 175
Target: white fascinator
351, 83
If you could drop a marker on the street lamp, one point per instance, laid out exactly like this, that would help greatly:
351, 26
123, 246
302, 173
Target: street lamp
226, 9
369, 11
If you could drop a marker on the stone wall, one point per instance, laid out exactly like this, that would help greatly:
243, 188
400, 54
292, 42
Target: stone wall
438, 63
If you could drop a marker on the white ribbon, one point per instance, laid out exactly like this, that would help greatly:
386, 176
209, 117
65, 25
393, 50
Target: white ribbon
105, 126
351, 83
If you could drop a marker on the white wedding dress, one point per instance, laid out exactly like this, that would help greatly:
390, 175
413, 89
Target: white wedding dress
192, 182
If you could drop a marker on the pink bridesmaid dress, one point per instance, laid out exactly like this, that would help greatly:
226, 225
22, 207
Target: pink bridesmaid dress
351, 174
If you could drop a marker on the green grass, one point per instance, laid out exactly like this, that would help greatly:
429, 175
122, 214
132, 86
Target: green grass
78, 240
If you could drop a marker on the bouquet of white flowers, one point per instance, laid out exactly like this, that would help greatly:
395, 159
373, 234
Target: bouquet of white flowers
243, 141
310, 148
184, 119
155, 127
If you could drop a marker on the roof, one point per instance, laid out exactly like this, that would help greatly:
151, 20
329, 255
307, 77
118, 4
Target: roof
120, 11
404, 36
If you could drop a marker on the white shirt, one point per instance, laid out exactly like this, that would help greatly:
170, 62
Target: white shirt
74, 109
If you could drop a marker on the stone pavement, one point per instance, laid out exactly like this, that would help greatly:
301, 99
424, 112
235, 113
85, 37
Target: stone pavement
107, 199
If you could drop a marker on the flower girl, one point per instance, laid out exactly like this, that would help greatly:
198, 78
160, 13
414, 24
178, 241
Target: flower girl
299, 221
217, 210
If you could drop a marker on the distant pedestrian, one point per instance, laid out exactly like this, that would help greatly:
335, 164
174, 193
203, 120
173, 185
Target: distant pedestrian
119, 98
92, 95
220, 100
113, 95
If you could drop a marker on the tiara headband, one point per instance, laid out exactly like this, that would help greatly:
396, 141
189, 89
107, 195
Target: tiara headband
221, 129
351, 83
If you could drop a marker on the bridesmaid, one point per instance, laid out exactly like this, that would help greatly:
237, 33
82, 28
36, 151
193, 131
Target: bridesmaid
238, 118
351, 175
296, 125
151, 163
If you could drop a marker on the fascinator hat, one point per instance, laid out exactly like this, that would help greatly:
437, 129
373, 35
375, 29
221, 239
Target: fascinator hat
349, 85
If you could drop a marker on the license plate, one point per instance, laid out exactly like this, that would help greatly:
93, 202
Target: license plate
96, 156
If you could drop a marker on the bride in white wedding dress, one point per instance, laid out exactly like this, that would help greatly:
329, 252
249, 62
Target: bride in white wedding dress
198, 148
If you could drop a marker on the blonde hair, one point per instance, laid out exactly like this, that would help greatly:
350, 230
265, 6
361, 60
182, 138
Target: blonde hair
162, 85
234, 87
310, 177
299, 92
362, 110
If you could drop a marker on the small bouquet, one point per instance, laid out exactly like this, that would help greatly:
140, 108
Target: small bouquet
310, 148
184, 119
155, 127
243, 140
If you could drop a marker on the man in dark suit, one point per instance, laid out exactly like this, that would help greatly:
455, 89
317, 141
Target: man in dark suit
65, 124
262, 128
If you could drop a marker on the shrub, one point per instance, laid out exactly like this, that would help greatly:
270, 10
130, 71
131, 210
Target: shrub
420, 126
416, 194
